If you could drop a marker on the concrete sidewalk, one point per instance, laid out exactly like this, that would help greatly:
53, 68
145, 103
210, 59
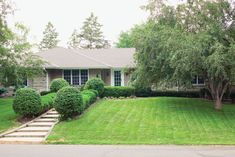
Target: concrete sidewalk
114, 151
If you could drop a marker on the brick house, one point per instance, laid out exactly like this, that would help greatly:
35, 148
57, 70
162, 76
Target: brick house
78, 66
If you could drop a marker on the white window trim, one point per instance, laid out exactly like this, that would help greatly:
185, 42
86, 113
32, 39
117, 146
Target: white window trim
198, 84
122, 76
71, 75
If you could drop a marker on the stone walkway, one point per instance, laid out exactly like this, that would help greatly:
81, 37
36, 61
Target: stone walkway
35, 131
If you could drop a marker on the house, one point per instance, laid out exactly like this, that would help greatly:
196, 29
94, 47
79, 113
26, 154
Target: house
77, 66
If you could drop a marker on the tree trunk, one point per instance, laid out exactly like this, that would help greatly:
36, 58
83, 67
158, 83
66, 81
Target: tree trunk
217, 90
218, 104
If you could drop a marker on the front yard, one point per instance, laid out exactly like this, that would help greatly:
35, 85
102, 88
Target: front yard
7, 115
162, 120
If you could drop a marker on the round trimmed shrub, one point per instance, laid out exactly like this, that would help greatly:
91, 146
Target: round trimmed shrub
68, 102
96, 84
27, 102
58, 84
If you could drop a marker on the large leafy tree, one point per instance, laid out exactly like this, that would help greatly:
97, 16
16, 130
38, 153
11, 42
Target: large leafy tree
124, 40
50, 37
196, 38
91, 36
17, 62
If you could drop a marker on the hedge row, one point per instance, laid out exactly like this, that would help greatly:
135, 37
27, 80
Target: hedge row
146, 92
118, 91
89, 97
48, 101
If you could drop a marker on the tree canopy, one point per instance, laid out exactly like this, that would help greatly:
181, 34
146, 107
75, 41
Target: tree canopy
50, 37
74, 40
91, 36
17, 62
195, 38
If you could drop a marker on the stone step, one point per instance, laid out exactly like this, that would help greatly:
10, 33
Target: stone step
46, 120
52, 112
34, 132
50, 116
21, 139
26, 134
34, 129
41, 124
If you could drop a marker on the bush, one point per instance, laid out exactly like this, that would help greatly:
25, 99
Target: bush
118, 91
204, 93
89, 97
96, 84
188, 94
48, 101
144, 92
45, 93
58, 84
68, 102
3, 90
27, 102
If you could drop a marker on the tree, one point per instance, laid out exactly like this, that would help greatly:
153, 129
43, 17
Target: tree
74, 40
198, 39
50, 37
19, 62
124, 40
16, 60
91, 36
130, 39
155, 8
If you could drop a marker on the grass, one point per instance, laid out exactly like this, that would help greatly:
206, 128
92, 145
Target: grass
8, 118
7, 115
149, 121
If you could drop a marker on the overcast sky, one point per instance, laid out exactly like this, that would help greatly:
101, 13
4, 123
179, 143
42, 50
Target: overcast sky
66, 15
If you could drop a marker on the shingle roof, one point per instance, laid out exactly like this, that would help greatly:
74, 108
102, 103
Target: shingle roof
59, 58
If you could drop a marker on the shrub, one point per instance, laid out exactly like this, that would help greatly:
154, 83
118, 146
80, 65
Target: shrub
118, 91
188, 94
204, 93
48, 101
89, 97
232, 96
2, 90
96, 84
57, 84
68, 102
45, 93
143, 92
27, 102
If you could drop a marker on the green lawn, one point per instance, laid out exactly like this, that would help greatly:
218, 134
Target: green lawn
149, 121
7, 115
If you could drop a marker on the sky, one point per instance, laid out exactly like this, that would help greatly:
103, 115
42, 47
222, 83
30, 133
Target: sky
67, 15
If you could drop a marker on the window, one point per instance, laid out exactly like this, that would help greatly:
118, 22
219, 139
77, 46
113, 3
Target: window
84, 76
117, 78
67, 76
25, 83
76, 77
198, 80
